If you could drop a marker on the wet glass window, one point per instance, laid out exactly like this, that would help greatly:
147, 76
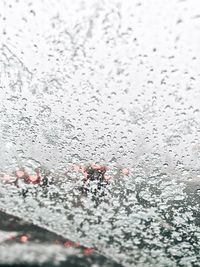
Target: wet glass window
99, 133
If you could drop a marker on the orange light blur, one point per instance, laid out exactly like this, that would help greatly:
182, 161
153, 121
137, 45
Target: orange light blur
23, 238
106, 177
96, 166
20, 174
76, 244
87, 251
125, 171
67, 244
6, 177
33, 178
76, 168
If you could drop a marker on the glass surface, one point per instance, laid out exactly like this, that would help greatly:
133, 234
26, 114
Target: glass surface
99, 132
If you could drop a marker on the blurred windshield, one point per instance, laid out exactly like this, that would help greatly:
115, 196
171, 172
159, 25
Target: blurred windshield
99, 133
